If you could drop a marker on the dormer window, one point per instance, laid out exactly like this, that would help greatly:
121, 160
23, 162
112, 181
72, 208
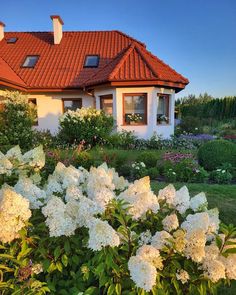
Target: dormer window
12, 40
91, 61
30, 61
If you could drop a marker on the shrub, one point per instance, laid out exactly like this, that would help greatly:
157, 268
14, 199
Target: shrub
148, 158
86, 124
17, 118
221, 176
95, 233
122, 139
170, 175
153, 172
215, 153
45, 138
138, 169
125, 170
191, 125
200, 175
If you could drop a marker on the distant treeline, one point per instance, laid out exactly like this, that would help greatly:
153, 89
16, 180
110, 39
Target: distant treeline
206, 106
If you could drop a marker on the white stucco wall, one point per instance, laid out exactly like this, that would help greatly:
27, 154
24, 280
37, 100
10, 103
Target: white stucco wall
50, 108
142, 131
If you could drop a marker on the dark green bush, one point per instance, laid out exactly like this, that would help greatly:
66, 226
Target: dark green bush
123, 139
148, 158
191, 124
124, 170
215, 153
86, 125
17, 118
153, 172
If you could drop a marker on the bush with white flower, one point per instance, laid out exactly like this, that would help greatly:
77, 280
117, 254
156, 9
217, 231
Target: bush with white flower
93, 232
138, 169
89, 125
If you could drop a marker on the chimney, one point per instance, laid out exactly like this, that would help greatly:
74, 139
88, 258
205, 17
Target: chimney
2, 25
57, 28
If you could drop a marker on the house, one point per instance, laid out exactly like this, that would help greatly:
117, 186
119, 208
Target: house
107, 70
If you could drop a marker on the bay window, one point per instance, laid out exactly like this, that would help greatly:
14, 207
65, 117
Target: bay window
163, 108
135, 109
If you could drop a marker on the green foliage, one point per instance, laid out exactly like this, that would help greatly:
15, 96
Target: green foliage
153, 172
215, 153
123, 139
90, 126
221, 176
224, 108
16, 120
148, 158
191, 124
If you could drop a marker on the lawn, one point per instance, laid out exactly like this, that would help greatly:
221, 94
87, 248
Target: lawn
220, 196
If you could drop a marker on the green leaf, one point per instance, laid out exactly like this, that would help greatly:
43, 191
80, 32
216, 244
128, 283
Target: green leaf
64, 260
230, 251
59, 266
67, 247
118, 289
57, 252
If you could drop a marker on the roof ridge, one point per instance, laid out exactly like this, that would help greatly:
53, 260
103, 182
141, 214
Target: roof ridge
105, 66
128, 36
127, 52
165, 64
13, 71
146, 61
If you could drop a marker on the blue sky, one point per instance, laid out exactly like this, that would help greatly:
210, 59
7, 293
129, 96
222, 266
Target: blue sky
197, 38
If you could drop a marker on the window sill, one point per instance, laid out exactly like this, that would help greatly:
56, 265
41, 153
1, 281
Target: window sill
131, 125
163, 124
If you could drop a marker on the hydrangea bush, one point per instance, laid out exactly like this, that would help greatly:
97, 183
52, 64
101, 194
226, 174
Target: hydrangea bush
92, 232
89, 125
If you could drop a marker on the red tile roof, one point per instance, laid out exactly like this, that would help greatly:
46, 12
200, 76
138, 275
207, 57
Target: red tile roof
122, 59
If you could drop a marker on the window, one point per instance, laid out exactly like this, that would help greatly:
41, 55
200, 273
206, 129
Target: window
30, 61
106, 104
2, 102
163, 106
34, 102
135, 109
71, 104
12, 40
91, 61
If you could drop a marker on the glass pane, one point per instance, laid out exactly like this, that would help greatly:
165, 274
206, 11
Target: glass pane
72, 105
163, 109
135, 109
107, 105
30, 61
91, 61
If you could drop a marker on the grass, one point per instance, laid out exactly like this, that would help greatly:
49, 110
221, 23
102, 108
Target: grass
220, 196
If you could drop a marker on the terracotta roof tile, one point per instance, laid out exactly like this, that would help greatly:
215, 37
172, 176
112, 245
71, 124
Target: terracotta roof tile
62, 66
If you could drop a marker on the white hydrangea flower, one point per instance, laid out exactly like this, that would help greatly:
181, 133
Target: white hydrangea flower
151, 255
197, 221
161, 239
101, 234
214, 221
14, 213
59, 172
170, 222
142, 273
53, 186
15, 153
72, 176
87, 209
5, 165
73, 193
102, 197
57, 219
167, 194
213, 269
141, 198
182, 200
199, 202
195, 245
183, 276
230, 266
145, 237
35, 157
30, 191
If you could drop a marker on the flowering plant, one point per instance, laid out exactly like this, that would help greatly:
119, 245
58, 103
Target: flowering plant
95, 233
221, 175
162, 118
138, 169
86, 124
134, 118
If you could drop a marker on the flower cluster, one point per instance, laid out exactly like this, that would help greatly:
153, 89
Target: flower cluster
14, 213
80, 114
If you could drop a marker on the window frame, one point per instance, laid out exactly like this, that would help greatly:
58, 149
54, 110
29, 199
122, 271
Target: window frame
71, 99
145, 105
11, 42
29, 55
168, 108
107, 96
88, 55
